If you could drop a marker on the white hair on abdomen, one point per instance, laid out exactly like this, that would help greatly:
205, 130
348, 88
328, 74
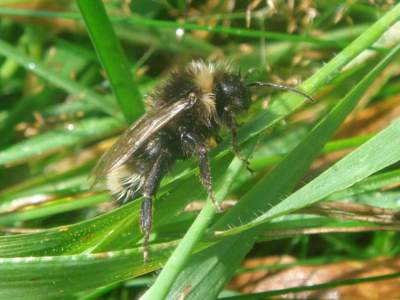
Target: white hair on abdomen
124, 183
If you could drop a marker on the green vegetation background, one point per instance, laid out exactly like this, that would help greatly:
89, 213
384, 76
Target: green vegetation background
331, 165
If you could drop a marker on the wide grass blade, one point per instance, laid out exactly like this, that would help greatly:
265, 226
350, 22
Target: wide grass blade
112, 58
151, 23
55, 277
49, 142
369, 158
61, 205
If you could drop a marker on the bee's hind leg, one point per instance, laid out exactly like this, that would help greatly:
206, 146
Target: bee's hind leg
150, 186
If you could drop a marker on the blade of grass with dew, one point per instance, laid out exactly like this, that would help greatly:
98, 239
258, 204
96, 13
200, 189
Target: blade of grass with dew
42, 101
41, 265
166, 27
112, 58
110, 231
49, 142
378, 199
259, 162
46, 275
49, 183
70, 108
274, 149
55, 277
356, 166
67, 239
57, 187
296, 224
61, 205
307, 225
75, 89
372, 183
165, 39
216, 259
181, 254
151, 23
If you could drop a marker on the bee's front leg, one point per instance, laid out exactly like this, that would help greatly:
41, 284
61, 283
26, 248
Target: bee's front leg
230, 118
192, 144
205, 174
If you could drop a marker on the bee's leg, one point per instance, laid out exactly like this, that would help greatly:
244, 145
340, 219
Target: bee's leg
205, 174
235, 145
151, 184
193, 144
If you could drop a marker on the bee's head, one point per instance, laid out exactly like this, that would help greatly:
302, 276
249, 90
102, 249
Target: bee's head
231, 94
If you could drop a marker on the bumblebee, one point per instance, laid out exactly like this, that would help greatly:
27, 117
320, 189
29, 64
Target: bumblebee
186, 111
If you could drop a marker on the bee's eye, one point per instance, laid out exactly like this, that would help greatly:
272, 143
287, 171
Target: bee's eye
232, 92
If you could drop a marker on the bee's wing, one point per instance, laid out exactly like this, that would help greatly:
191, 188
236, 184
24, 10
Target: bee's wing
136, 135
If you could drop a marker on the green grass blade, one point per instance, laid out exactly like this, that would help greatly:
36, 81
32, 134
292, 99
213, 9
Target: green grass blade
49, 183
181, 254
49, 142
58, 206
151, 23
117, 229
371, 157
112, 58
372, 183
73, 88
68, 239
54, 277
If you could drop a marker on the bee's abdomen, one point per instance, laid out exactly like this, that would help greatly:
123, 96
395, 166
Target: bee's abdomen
124, 183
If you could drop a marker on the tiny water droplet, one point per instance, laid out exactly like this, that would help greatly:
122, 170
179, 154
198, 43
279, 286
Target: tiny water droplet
180, 32
70, 127
31, 66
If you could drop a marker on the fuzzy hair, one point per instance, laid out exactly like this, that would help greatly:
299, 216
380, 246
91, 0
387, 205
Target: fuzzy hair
204, 75
124, 183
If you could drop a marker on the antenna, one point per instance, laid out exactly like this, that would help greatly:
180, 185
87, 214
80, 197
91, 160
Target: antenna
280, 86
